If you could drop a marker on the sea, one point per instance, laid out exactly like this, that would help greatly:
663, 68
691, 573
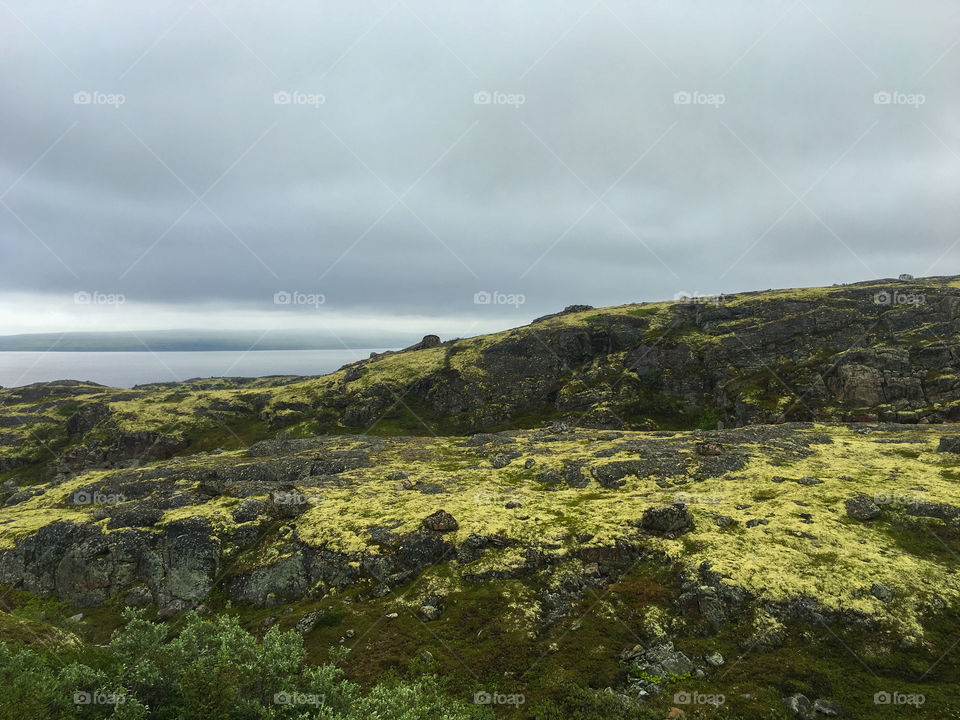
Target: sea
126, 369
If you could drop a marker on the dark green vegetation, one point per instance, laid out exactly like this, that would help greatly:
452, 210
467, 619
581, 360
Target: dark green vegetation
549, 512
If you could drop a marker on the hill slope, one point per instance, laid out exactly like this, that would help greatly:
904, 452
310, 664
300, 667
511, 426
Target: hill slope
546, 507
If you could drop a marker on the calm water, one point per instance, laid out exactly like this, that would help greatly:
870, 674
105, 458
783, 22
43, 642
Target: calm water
125, 369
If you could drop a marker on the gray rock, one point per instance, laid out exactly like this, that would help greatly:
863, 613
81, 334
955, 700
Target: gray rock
861, 507
882, 592
949, 444
669, 520
827, 708
715, 659
799, 705
249, 509
308, 622
723, 520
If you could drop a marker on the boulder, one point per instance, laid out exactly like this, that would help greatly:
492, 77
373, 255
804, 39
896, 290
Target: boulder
668, 520
861, 507
440, 521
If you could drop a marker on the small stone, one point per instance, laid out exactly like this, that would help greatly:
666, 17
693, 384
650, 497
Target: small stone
861, 507
513, 504
669, 520
440, 521
797, 704
308, 622
949, 444
723, 520
75, 618
500, 461
429, 612
825, 707
809, 481
715, 659
882, 592
529, 463
392, 616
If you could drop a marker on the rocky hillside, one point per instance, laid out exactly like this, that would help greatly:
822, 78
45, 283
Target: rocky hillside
551, 511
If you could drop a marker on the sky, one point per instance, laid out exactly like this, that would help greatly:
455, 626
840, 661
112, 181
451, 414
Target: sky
458, 167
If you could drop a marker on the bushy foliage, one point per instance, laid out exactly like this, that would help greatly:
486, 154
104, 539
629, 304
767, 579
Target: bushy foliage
211, 670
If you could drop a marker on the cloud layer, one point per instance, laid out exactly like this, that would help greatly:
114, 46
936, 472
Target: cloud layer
399, 157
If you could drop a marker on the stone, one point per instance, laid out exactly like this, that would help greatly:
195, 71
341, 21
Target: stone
949, 444
669, 520
714, 659
249, 509
430, 613
861, 507
392, 616
882, 592
308, 622
441, 521
723, 520
809, 481
798, 705
827, 708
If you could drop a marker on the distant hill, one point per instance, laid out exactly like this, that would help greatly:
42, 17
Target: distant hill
194, 340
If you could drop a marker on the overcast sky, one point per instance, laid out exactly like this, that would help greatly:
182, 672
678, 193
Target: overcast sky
392, 159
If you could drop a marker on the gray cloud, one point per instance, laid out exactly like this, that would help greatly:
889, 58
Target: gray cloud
399, 194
